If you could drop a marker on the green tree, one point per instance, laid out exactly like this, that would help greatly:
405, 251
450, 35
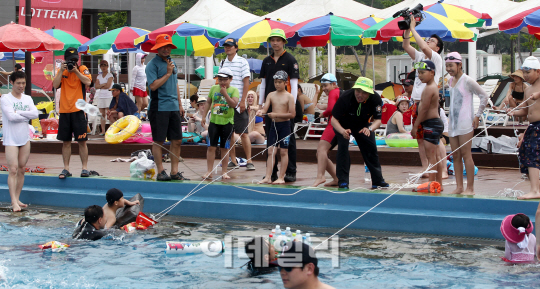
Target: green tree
110, 21
388, 3
531, 43
260, 12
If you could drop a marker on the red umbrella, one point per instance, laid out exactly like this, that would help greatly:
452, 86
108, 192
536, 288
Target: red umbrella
529, 19
14, 36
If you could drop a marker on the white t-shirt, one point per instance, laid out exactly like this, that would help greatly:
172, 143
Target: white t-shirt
418, 87
104, 92
240, 69
15, 116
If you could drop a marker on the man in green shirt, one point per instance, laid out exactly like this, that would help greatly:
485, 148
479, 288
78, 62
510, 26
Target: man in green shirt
222, 99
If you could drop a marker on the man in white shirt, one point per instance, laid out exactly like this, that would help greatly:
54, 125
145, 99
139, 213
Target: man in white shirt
240, 69
431, 49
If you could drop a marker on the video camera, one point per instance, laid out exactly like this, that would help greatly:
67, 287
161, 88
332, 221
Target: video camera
71, 64
416, 12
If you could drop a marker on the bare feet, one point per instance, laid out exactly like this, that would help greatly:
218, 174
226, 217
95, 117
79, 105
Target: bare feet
531, 195
471, 193
16, 208
318, 182
207, 176
225, 177
444, 176
22, 205
265, 181
279, 182
457, 191
333, 183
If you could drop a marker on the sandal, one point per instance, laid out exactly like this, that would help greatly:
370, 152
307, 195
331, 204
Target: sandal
85, 174
94, 173
64, 174
38, 170
4, 168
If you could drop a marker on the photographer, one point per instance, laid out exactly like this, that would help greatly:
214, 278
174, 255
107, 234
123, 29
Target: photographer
72, 78
430, 51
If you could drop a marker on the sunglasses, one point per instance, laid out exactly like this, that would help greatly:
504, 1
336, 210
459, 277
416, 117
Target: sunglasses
525, 68
326, 80
451, 58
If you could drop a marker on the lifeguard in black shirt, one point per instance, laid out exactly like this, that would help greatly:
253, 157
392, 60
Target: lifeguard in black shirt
351, 116
281, 60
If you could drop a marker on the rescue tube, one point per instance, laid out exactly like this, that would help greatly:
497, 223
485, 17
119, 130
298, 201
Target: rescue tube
401, 140
210, 248
429, 187
127, 214
122, 129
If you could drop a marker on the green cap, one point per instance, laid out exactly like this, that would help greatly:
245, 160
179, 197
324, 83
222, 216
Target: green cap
277, 32
364, 84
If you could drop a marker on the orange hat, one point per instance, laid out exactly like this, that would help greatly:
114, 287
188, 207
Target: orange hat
162, 40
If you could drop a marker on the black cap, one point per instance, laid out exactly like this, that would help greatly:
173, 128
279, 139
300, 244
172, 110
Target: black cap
296, 254
71, 53
113, 195
231, 42
408, 82
116, 86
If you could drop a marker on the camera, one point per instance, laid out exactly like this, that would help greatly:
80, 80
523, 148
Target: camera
71, 64
416, 12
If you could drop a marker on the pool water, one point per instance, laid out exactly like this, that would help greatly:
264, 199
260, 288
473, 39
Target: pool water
139, 261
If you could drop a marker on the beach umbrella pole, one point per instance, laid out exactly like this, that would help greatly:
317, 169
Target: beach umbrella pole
186, 68
373, 60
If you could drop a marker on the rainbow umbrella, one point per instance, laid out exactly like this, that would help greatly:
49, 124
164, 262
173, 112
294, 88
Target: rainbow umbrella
468, 17
529, 19
37, 57
447, 29
366, 23
69, 39
253, 34
316, 32
120, 40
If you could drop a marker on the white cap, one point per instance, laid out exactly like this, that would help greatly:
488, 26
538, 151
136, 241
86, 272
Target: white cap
225, 72
530, 62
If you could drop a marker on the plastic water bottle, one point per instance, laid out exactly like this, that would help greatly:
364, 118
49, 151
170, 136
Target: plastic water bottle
278, 231
367, 174
288, 232
280, 242
271, 239
304, 239
298, 236
308, 239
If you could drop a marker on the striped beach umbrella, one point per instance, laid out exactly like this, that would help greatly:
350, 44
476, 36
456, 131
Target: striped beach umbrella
316, 32
528, 20
253, 34
120, 40
69, 39
467, 17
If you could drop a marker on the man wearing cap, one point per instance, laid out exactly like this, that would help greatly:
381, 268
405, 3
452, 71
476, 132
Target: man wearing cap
240, 69
165, 110
350, 116
121, 105
430, 50
281, 60
298, 267
328, 140
72, 122
529, 145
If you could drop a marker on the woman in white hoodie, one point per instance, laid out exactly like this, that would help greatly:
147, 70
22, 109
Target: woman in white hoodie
138, 85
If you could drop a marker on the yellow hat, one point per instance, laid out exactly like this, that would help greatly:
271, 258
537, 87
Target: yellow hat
364, 84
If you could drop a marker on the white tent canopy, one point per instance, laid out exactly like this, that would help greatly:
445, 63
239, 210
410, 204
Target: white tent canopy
302, 10
218, 14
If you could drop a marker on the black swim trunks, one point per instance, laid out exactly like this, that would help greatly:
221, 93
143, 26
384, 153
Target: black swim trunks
529, 151
278, 134
433, 130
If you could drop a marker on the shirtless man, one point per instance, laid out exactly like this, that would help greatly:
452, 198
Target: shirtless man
528, 148
283, 110
115, 201
428, 116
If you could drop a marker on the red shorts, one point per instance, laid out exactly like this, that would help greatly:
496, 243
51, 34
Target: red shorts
139, 92
328, 133
420, 131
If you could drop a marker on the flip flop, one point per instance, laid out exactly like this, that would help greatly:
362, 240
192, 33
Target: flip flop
85, 174
4, 168
94, 173
64, 174
38, 170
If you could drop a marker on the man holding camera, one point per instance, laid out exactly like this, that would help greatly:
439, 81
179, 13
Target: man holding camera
73, 80
430, 51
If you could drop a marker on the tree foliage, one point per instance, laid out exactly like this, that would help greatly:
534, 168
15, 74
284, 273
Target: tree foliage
111, 21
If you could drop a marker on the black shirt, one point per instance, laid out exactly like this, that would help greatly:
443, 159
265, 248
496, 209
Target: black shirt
346, 110
269, 67
86, 231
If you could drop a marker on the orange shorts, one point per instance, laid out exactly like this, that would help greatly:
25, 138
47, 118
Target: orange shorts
420, 131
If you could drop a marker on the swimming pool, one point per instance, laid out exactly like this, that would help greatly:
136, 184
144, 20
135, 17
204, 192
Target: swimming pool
139, 261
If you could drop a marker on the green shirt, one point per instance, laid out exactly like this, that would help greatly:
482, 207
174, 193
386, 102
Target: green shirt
221, 113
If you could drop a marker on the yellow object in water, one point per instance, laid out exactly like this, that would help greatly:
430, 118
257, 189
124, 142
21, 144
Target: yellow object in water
122, 129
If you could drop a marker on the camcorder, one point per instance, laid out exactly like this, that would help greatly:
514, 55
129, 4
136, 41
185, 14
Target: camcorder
406, 13
71, 64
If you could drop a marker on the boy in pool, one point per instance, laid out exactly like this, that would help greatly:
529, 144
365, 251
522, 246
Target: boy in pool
283, 110
115, 201
261, 253
90, 228
530, 144
428, 116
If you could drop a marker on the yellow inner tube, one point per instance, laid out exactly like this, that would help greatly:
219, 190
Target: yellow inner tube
122, 129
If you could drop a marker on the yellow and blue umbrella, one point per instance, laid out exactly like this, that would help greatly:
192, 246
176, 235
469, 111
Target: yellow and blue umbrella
253, 34
467, 17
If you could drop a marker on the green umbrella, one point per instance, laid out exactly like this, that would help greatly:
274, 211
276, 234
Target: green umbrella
201, 71
69, 39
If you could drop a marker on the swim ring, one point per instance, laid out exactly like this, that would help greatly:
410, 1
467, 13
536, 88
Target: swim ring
401, 140
122, 129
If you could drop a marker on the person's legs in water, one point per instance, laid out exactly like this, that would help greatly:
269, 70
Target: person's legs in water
466, 154
324, 164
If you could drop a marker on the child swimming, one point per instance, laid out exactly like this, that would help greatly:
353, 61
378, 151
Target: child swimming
261, 253
520, 245
115, 201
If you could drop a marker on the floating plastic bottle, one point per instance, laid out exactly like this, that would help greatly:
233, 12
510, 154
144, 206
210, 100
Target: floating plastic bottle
367, 174
177, 247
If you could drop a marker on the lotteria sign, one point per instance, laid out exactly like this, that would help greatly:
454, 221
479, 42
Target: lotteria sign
52, 14
61, 14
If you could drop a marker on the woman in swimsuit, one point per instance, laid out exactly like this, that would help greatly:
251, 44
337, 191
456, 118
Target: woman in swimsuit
462, 120
255, 127
395, 124
308, 105
515, 93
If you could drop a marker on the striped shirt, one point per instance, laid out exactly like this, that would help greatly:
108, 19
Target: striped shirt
240, 69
